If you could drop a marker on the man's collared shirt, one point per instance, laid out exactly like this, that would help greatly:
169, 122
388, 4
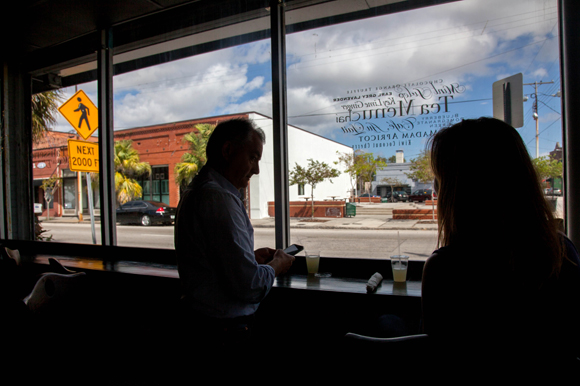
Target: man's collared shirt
214, 243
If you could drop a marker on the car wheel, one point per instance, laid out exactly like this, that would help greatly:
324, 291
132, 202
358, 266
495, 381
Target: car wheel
145, 220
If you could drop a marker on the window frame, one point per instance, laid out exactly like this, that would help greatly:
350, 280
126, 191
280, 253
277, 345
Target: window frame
106, 70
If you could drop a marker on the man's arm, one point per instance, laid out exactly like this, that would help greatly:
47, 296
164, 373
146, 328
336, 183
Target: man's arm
281, 262
275, 258
233, 245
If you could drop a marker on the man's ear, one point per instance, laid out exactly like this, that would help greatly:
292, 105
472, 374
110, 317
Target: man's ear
227, 150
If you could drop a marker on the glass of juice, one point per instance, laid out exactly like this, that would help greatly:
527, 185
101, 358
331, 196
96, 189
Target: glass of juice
399, 265
312, 261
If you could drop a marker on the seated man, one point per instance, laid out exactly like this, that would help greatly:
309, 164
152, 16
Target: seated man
223, 279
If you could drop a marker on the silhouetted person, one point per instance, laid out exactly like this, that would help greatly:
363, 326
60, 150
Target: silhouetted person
223, 278
502, 292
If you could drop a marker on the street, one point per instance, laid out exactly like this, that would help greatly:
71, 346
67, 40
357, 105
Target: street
353, 243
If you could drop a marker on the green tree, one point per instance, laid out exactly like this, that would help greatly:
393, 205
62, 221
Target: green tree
547, 168
361, 166
192, 162
313, 174
49, 186
421, 171
128, 166
421, 168
44, 108
367, 166
348, 160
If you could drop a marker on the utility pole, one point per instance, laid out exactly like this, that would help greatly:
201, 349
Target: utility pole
536, 117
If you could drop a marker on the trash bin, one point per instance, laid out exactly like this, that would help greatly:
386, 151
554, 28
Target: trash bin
350, 209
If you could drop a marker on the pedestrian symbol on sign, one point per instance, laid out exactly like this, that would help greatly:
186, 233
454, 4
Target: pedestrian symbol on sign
81, 113
84, 112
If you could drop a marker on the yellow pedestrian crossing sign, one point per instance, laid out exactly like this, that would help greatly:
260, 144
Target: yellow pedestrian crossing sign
81, 113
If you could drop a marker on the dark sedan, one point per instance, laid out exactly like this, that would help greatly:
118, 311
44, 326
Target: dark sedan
397, 195
145, 213
422, 195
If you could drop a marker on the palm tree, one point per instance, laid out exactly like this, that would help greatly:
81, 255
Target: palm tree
192, 162
44, 108
127, 167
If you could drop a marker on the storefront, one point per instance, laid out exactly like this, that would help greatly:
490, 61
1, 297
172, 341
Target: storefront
162, 147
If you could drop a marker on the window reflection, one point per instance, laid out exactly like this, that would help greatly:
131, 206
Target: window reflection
379, 86
383, 86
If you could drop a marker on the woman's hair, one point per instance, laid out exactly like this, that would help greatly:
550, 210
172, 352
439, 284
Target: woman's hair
489, 195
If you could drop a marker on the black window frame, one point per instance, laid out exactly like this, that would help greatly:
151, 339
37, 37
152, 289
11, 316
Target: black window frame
77, 51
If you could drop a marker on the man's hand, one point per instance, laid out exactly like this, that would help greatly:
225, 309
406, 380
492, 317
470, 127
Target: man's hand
281, 262
264, 255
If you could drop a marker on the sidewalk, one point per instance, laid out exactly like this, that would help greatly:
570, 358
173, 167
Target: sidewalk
380, 221
360, 221
365, 222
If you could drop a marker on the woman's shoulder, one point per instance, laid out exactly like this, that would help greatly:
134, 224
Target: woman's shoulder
457, 260
571, 251
442, 259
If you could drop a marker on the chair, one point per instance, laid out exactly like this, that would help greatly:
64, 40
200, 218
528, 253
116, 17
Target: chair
402, 345
57, 266
368, 354
54, 290
408, 340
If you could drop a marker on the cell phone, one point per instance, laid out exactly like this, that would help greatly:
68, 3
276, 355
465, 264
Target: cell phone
293, 249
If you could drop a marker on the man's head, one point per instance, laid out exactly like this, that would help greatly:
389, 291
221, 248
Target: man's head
235, 149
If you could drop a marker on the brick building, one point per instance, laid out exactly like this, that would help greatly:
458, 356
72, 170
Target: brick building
162, 146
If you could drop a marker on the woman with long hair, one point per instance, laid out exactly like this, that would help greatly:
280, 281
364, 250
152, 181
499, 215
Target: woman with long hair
504, 284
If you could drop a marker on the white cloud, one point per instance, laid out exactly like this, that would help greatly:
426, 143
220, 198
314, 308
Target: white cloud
460, 42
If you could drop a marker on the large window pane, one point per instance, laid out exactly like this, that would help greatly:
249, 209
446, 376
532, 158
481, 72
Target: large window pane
161, 112
383, 86
68, 211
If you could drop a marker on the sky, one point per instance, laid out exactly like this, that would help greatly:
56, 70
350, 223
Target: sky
422, 69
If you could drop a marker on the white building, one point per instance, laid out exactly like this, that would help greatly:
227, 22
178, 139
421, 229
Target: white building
396, 171
302, 145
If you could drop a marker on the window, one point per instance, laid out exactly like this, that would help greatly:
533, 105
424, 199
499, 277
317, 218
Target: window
360, 82
164, 115
71, 200
155, 185
382, 86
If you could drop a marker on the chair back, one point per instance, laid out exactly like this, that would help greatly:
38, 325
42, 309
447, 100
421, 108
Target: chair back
53, 290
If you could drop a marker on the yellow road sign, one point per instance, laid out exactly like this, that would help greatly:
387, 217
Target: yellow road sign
83, 156
81, 113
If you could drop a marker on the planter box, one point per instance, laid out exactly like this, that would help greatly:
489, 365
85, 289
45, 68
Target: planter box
415, 214
304, 209
366, 199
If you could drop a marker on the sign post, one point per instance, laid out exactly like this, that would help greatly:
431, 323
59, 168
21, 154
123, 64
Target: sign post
83, 115
84, 157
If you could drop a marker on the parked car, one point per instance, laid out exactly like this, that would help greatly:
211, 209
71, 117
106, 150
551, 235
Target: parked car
397, 195
145, 213
368, 195
421, 195
552, 192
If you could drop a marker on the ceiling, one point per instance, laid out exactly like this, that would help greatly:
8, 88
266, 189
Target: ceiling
61, 37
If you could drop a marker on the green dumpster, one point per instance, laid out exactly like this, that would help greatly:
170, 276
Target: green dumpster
350, 209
